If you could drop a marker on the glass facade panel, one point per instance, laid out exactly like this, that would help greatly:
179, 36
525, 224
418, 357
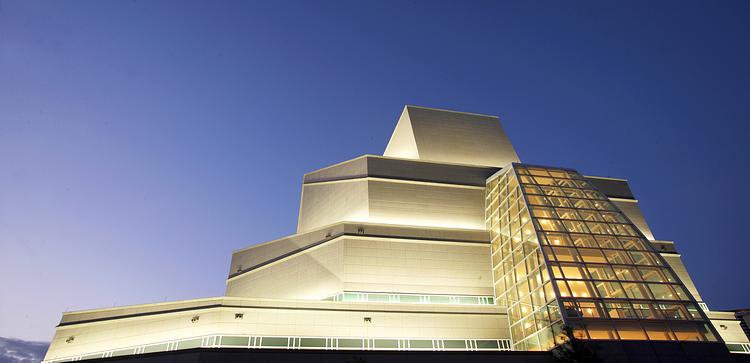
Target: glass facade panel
605, 276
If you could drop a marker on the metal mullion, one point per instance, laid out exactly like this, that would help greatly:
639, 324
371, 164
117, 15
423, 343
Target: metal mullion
552, 279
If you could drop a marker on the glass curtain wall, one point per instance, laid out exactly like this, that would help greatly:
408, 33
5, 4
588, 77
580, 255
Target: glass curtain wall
563, 254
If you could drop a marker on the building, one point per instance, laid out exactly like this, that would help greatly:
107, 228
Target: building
445, 243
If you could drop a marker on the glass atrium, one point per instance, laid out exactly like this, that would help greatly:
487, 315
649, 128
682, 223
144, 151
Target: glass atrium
563, 254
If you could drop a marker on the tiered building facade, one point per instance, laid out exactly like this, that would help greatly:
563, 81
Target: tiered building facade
447, 242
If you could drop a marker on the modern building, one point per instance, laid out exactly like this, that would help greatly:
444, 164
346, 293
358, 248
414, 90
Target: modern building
445, 243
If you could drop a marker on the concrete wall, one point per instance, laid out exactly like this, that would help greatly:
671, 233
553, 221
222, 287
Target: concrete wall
450, 137
171, 321
332, 202
371, 264
391, 201
728, 326
426, 204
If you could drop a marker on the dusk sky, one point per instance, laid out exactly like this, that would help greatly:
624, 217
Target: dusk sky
142, 141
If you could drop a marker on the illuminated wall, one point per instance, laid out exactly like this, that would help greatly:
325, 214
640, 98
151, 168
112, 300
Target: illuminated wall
563, 254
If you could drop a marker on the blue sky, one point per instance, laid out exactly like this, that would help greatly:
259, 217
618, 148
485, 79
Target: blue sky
142, 141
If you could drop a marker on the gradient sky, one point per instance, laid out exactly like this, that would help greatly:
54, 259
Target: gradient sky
142, 141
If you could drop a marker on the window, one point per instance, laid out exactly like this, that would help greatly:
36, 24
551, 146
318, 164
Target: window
627, 273
575, 226
565, 213
591, 309
636, 291
617, 257
601, 330
601, 272
610, 290
566, 254
658, 331
662, 292
620, 310
551, 225
581, 289
574, 271
646, 310
540, 212
630, 330
591, 255
558, 239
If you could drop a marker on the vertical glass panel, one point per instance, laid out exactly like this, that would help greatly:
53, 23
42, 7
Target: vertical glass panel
680, 292
422, 344
584, 240
559, 202
658, 331
566, 254
593, 194
652, 274
532, 189
674, 311
608, 242
270, 342
630, 330
565, 213
386, 343
627, 273
571, 310
581, 203
617, 257
591, 255
236, 341
610, 290
591, 309
601, 272
641, 258
551, 225
574, 193
693, 311
563, 288
558, 239
581, 289
544, 181
646, 310
601, 330
613, 217
662, 292
541, 212
636, 291
633, 243
575, 226
537, 200
454, 344
574, 271
553, 191
620, 310
707, 333
590, 215
602, 205
599, 228
686, 331
312, 342
538, 172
